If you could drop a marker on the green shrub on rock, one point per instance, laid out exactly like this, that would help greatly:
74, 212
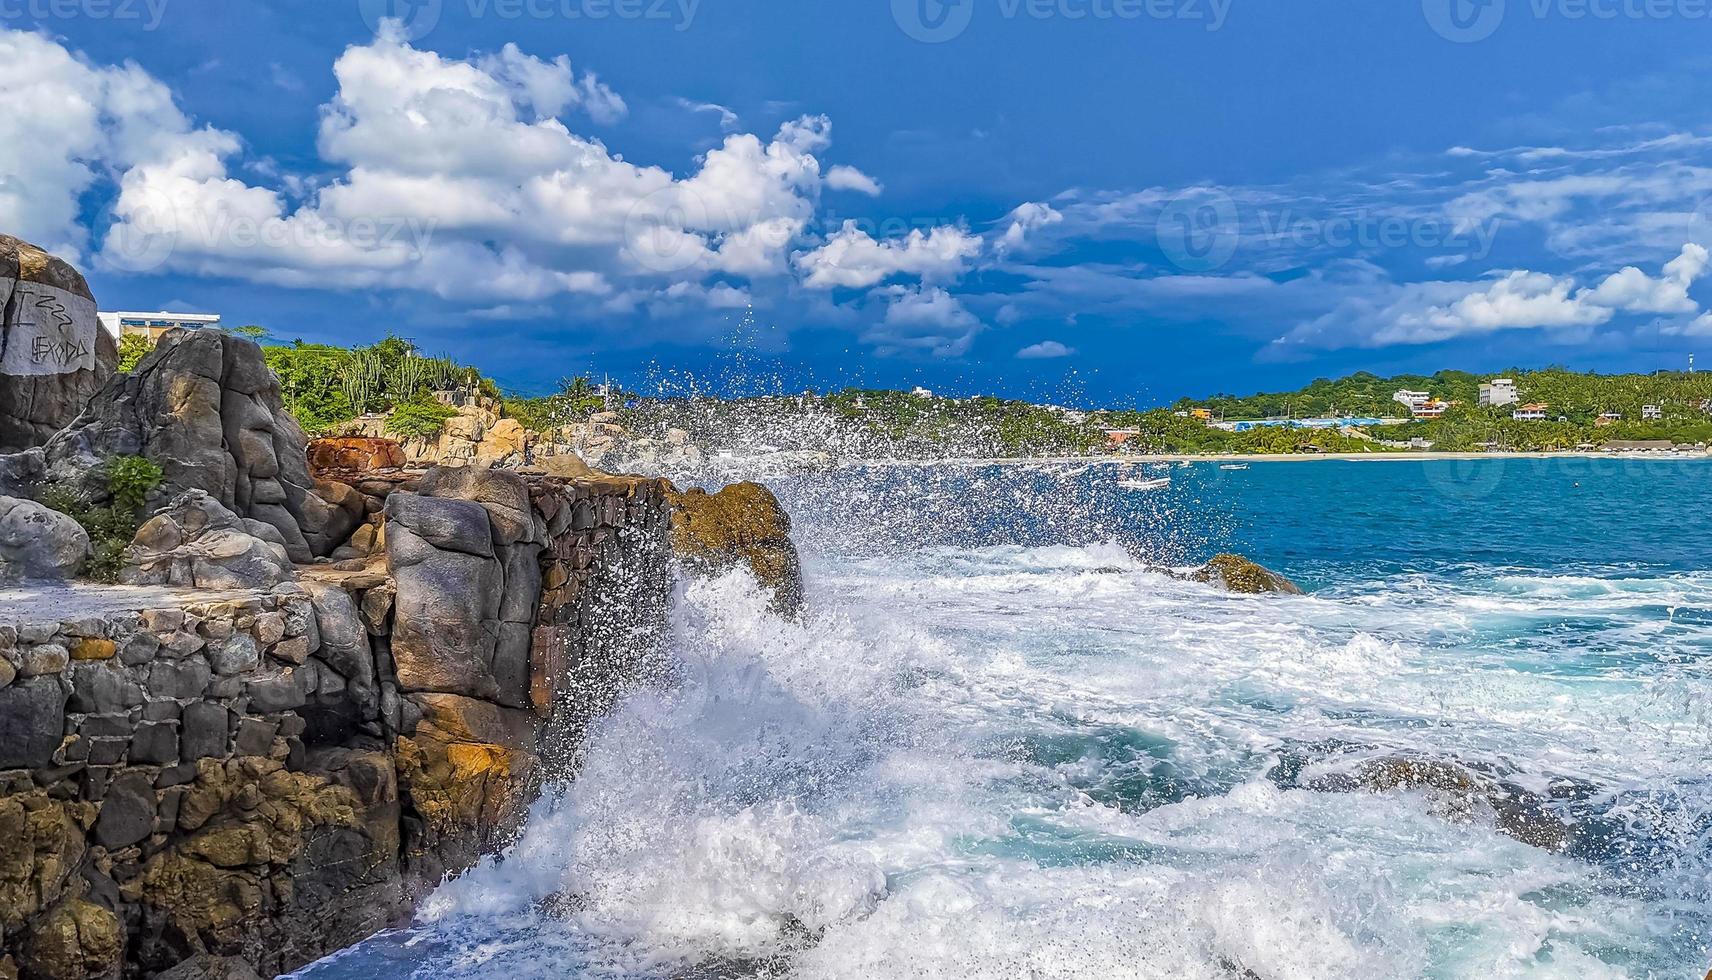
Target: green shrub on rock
111, 526
419, 418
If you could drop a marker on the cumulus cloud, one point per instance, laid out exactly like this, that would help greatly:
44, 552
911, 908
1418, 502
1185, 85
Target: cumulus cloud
924, 320
1632, 290
62, 121
1424, 313
1045, 350
444, 157
1026, 219
855, 259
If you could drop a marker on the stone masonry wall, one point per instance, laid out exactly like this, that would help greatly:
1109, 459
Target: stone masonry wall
275, 774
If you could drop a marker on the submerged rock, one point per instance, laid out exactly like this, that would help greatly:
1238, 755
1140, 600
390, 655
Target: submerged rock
1459, 794
1235, 573
741, 524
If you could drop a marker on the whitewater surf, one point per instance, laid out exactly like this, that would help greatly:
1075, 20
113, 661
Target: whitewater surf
1002, 742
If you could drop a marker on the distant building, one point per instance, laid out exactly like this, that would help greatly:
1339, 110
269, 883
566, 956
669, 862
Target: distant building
1204, 414
153, 325
1432, 408
1607, 418
1119, 437
1535, 412
1498, 392
1652, 412
921, 392
1412, 399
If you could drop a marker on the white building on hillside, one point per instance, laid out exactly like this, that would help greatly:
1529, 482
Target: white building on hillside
1652, 412
1498, 392
1412, 399
152, 325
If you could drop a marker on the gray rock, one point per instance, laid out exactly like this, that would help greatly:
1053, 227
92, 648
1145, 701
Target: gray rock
445, 615
344, 638
447, 525
197, 541
44, 658
237, 655
511, 665
285, 690
32, 716
155, 744
206, 732
39, 543
502, 493
127, 811
205, 408
37, 404
255, 736
102, 689
179, 679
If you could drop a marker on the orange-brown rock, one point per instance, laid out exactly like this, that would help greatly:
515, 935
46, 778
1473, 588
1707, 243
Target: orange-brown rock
354, 454
742, 524
92, 648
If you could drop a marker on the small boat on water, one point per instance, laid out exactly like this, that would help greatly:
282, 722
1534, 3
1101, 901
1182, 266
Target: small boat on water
1159, 483
1234, 466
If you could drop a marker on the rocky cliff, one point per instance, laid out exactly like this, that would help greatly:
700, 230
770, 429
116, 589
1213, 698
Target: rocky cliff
275, 771
250, 750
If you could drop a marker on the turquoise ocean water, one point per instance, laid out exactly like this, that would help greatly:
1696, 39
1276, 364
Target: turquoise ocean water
1003, 744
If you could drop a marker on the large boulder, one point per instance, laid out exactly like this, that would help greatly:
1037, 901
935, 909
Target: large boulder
204, 407
196, 541
54, 354
355, 455
1235, 573
741, 525
36, 542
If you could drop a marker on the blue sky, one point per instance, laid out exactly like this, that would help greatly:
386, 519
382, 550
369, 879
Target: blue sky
1110, 201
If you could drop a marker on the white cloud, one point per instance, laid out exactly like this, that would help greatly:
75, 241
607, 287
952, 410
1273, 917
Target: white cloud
1045, 350
925, 320
844, 178
444, 157
853, 258
1026, 219
1424, 313
1632, 290
728, 121
63, 120
1700, 326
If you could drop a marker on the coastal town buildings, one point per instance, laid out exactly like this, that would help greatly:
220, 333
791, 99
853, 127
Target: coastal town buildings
1498, 392
1652, 413
1533, 412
